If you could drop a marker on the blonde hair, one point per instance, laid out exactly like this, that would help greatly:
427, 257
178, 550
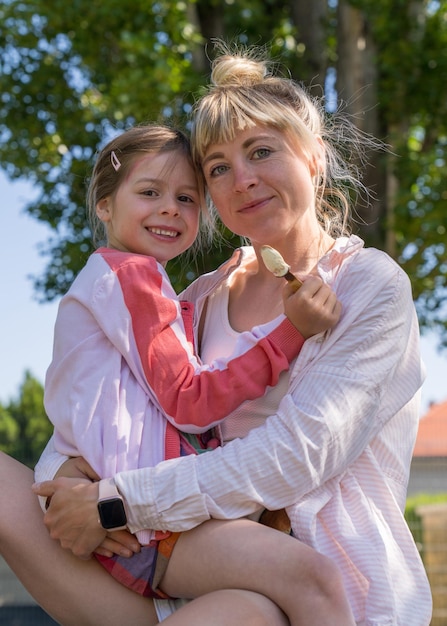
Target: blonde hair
116, 158
244, 92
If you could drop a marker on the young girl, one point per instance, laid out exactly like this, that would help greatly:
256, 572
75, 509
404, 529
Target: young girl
124, 379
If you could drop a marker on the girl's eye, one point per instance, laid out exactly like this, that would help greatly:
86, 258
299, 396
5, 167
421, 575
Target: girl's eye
149, 192
186, 199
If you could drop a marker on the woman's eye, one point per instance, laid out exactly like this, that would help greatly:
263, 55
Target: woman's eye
261, 153
218, 169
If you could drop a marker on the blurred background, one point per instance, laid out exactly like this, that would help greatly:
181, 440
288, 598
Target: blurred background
74, 74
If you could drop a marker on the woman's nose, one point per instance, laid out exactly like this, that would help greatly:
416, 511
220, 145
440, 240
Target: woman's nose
243, 178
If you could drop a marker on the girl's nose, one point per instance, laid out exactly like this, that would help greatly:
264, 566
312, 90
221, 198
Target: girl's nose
170, 207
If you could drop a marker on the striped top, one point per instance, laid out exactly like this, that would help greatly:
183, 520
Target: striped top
337, 452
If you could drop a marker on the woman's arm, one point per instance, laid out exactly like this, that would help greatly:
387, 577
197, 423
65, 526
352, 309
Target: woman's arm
71, 590
340, 398
368, 370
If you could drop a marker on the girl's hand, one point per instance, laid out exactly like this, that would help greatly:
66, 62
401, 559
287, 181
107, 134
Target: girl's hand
312, 309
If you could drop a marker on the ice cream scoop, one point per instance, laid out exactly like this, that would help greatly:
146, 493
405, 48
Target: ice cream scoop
276, 264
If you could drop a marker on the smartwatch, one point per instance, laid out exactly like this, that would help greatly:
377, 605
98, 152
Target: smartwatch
112, 515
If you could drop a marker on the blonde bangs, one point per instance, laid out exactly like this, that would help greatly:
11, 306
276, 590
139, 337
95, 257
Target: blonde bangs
226, 111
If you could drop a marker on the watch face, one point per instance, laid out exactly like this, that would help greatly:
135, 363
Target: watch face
112, 513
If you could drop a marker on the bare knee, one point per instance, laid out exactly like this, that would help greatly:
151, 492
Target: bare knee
324, 578
261, 611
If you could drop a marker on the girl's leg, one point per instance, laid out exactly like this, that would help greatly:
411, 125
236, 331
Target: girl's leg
78, 592
241, 554
72, 591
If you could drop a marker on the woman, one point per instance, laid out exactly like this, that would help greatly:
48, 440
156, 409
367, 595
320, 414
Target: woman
336, 450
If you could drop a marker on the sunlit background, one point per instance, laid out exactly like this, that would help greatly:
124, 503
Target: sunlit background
26, 327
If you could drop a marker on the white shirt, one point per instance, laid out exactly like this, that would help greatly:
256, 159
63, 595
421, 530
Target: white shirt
218, 340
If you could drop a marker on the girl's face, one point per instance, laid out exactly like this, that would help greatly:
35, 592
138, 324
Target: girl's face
261, 185
155, 211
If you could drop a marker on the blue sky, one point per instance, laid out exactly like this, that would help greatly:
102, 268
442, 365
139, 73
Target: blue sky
26, 327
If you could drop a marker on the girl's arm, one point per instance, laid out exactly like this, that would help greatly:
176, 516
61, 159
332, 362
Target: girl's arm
146, 324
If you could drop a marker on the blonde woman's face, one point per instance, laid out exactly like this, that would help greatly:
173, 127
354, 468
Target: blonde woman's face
261, 184
155, 211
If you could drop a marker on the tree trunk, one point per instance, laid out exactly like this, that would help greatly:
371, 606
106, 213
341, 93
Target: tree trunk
310, 20
211, 18
199, 60
357, 92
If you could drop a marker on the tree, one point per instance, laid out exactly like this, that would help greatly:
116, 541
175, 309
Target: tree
24, 425
73, 74
402, 46
9, 431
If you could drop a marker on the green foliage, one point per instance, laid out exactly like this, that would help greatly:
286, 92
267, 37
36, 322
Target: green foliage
9, 430
68, 83
414, 520
413, 78
24, 425
72, 74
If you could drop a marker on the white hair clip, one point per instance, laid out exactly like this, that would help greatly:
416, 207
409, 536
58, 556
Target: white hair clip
115, 161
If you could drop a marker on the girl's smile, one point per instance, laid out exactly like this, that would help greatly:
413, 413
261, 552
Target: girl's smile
155, 211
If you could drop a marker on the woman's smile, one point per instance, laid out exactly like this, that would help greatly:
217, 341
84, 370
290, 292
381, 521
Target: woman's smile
255, 204
261, 184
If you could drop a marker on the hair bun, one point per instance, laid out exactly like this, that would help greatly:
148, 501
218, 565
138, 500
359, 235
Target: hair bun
237, 71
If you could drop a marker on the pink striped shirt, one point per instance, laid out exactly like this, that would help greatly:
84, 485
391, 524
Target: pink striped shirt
337, 452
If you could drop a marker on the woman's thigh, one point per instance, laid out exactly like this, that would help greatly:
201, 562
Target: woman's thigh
71, 590
238, 554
